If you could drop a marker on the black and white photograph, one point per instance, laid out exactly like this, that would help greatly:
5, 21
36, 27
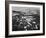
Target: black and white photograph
25, 19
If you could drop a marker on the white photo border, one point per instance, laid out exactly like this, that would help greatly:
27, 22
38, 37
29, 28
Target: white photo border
25, 32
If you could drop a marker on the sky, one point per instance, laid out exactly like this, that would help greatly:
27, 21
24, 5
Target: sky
27, 10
